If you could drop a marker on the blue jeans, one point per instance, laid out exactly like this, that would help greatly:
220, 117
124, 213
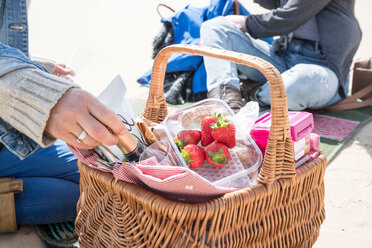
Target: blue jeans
50, 184
308, 81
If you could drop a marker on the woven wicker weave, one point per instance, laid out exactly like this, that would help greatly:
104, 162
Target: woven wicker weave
286, 209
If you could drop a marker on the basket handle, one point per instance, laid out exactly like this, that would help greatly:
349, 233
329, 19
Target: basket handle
278, 161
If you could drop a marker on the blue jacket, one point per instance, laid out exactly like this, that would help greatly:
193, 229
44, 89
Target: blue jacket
14, 33
186, 27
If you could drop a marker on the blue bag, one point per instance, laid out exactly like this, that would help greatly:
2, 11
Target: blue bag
186, 25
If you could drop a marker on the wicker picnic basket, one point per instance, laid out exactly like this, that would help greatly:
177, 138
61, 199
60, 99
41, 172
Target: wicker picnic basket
286, 208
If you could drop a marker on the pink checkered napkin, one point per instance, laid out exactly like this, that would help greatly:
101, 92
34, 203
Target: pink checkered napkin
333, 127
173, 182
88, 157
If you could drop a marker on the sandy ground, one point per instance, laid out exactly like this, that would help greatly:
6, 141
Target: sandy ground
102, 38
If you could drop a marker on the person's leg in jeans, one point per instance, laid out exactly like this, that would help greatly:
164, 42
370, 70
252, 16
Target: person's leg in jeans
307, 86
222, 76
309, 82
51, 184
223, 34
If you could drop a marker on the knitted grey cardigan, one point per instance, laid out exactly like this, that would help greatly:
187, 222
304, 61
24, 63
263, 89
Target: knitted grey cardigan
26, 98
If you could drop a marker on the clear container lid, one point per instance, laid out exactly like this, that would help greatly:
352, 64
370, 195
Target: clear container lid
242, 169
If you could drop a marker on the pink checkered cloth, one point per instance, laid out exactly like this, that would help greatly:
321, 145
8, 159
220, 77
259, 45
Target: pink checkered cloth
173, 182
333, 127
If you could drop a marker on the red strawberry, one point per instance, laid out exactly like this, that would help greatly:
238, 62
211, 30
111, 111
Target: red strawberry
186, 137
224, 131
217, 154
193, 155
206, 130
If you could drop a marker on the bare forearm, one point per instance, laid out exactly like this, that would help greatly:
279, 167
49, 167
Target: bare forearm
238, 20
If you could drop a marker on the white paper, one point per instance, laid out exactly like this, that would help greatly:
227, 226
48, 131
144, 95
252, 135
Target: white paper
113, 96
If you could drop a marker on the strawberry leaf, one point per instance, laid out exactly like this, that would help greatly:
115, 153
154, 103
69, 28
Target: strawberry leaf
186, 156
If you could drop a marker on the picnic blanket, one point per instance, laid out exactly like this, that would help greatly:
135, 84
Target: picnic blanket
335, 128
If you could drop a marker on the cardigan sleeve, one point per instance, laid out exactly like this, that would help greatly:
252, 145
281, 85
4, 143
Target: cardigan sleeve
48, 64
27, 96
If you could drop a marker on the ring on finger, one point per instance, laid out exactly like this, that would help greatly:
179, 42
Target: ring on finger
82, 136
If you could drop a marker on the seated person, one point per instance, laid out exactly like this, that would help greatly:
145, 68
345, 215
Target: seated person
36, 109
318, 40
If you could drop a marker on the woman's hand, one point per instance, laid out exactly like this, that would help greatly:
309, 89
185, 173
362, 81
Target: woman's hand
62, 70
78, 110
238, 20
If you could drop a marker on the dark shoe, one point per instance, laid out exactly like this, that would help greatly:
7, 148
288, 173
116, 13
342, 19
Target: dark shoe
249, 89
228, 93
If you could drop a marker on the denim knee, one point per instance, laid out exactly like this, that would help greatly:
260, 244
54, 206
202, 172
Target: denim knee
307, 86
218, 26
310, 89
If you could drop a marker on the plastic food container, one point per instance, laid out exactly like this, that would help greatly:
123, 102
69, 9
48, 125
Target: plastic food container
301, 125
246, 158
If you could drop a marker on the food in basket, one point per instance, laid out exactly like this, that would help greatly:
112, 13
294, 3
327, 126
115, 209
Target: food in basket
146, 133
217, 154
224, 131
206, 130
193, 155
186, 137
233, 172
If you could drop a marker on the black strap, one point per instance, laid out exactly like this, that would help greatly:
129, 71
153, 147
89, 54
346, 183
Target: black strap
1, 146
310, 42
